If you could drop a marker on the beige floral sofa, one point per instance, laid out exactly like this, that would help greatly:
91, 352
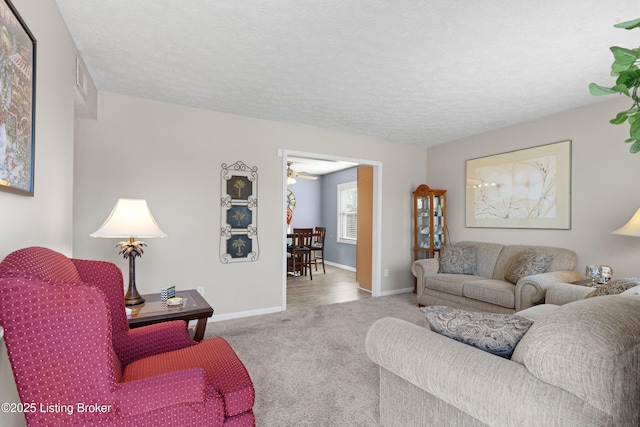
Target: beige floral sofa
577, 366
492, 277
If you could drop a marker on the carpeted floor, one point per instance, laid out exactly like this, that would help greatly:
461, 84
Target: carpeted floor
309, 365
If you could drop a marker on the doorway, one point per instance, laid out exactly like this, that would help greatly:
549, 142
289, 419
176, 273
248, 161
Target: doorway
375, 248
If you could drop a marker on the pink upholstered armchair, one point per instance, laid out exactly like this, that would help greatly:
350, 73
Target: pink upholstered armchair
76, 362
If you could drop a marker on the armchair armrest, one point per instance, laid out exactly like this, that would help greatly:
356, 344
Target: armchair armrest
564, 293
159, 391
150, 340
531, 289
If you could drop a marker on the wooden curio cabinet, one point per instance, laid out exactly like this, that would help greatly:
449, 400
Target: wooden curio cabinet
429, 222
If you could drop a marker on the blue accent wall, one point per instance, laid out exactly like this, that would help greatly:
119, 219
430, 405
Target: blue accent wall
317, 205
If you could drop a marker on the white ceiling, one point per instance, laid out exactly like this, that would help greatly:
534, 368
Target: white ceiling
420, 72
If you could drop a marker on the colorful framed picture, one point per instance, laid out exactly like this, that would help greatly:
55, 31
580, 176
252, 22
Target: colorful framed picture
528, 188
17, 109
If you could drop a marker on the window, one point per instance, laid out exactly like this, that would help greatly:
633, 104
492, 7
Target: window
348, 212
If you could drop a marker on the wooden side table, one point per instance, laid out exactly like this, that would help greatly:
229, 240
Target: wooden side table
194, 307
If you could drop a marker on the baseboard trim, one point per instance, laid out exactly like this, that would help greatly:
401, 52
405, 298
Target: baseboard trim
395, 292
250, 313
240, 314
344, 267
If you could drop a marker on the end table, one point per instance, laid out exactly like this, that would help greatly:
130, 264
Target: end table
194, 307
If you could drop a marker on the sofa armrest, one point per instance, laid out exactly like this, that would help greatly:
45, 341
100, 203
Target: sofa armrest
485, 386
531, 290
425, 267
564, 293
422, 268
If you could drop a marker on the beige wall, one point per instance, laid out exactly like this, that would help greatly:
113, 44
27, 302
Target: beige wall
171, 155
604, 193
46, 218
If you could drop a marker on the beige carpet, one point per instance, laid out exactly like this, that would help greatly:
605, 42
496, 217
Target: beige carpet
309, 365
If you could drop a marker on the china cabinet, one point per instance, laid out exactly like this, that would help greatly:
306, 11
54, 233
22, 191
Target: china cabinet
429, 222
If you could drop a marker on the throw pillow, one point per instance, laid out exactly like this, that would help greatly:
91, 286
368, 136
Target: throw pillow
458, 259
526, 264
615, 287
495, 333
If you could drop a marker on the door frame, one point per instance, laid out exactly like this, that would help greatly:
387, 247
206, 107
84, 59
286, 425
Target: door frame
376, 255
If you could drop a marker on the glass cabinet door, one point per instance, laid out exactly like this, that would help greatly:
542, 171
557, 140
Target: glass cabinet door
429, 222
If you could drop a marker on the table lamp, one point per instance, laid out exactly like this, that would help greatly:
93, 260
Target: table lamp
130, 218
631, 228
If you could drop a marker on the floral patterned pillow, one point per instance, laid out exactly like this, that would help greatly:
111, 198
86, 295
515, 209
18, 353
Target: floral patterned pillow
458, 259
494, 333
527, 263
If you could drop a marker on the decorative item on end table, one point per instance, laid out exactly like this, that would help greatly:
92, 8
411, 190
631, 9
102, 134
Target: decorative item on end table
593, 272
130, 218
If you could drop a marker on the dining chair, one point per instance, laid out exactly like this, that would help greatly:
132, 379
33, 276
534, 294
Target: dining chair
317, 247
300, 251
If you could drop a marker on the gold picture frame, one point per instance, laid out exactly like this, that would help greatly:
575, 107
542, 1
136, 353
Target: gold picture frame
529, 188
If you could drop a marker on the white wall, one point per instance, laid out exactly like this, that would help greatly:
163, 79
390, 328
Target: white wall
604, 192
171, 155
46, 218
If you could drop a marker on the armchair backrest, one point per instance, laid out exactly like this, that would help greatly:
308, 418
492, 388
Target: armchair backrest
49, 265
41, 262
58, 340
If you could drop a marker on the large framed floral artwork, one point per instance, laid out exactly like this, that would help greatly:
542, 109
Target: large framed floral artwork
529, 188
17, 102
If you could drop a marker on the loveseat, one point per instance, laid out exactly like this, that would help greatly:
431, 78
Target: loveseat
76, 362
474, 276
579, 365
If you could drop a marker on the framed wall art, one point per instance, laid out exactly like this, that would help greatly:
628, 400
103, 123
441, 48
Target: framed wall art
17, 109
529, 188
239, 213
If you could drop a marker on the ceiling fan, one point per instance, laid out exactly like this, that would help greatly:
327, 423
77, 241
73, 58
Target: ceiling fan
292, 175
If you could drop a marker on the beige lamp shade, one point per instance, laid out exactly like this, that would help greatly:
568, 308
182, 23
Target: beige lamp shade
631, 228
129, 218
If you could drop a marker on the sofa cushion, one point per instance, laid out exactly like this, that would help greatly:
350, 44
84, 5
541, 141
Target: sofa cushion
487, 256
492, 291
615, 287
449, 283
458, 260
527, 263
495, 333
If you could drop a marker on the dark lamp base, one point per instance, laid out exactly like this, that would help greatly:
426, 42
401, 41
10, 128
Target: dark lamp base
129, 301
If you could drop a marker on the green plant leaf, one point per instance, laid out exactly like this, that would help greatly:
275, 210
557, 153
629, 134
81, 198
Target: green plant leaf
630, 78
597, 90
629, 25
635, 147
634, 131
619, 119
623, 55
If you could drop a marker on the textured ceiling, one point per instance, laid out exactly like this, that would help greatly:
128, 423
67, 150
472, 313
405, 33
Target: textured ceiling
407, 71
